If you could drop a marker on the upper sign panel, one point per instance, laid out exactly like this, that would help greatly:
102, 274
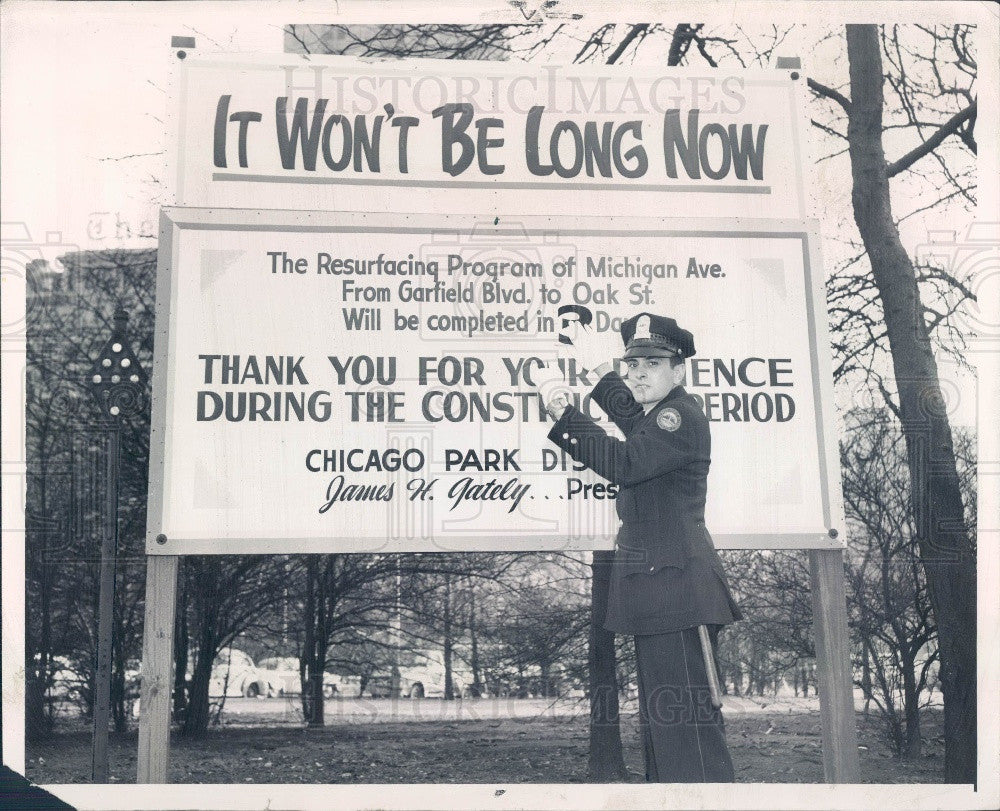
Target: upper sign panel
340, 134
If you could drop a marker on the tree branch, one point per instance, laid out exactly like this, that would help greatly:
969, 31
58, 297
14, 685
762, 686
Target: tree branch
830, 93
827, 130
948, 128
628, 40
679, 43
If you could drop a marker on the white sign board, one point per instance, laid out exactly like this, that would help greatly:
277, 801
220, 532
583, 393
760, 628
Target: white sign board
341, 134
356, 382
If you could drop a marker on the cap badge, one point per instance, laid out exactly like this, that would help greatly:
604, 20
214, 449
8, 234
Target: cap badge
642, 328
669, 419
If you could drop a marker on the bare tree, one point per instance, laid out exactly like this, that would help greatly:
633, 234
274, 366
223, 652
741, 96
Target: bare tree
890, 607
772, 588
345, 599
906, 325
228, 596
70, 313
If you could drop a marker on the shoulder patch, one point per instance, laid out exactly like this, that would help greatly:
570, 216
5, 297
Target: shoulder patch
669, 419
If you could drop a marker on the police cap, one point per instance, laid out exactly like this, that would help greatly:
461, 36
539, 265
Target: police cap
647, 335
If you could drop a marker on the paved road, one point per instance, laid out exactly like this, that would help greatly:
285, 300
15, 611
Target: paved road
385, 710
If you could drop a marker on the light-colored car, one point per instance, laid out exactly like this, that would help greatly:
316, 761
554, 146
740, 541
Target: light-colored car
425, 678
234, 674
283, 671
335, 684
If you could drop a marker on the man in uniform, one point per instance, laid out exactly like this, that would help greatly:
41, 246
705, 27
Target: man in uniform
667, 578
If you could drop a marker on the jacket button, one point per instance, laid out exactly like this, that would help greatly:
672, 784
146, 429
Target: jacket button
652, 568
572, 441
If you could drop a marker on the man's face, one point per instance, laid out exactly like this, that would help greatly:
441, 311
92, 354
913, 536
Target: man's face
651, 379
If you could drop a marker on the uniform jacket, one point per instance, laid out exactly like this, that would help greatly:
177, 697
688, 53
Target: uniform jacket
667, 574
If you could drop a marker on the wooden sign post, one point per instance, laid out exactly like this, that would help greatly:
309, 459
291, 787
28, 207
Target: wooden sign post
833, 666
157, 668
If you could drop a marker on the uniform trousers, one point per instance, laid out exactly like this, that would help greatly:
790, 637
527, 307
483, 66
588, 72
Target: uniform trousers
684, 738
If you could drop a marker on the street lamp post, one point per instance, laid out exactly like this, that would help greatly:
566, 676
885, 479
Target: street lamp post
116, 382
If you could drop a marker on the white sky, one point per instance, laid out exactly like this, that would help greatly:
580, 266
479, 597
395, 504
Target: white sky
81, 88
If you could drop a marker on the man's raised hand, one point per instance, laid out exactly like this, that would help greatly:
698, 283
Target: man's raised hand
593, 351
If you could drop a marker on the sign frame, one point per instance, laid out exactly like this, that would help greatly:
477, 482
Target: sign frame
175, 220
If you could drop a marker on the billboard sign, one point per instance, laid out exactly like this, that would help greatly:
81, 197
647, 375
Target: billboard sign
363, 382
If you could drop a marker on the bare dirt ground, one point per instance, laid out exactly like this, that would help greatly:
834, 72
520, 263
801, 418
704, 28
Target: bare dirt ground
430, 741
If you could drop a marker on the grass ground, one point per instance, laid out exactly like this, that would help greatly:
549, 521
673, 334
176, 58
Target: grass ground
774, 744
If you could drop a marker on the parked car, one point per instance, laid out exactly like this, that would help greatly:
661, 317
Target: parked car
336, 684
234, 674
379, 686
283, 672
425, 678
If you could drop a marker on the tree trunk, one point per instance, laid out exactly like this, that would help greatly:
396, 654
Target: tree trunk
477, 682
208, 574
606, 763
309, 641
36, 721
449, 685
181, 648
545, 673
314, 689
197, 716
866, 678
312, 665
945, 547
118, 712
911, 706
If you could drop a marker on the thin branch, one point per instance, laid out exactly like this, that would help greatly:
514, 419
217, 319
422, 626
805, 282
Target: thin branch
827, 130
948, 128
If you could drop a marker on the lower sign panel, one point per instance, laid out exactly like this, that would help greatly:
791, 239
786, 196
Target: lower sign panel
364, 383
